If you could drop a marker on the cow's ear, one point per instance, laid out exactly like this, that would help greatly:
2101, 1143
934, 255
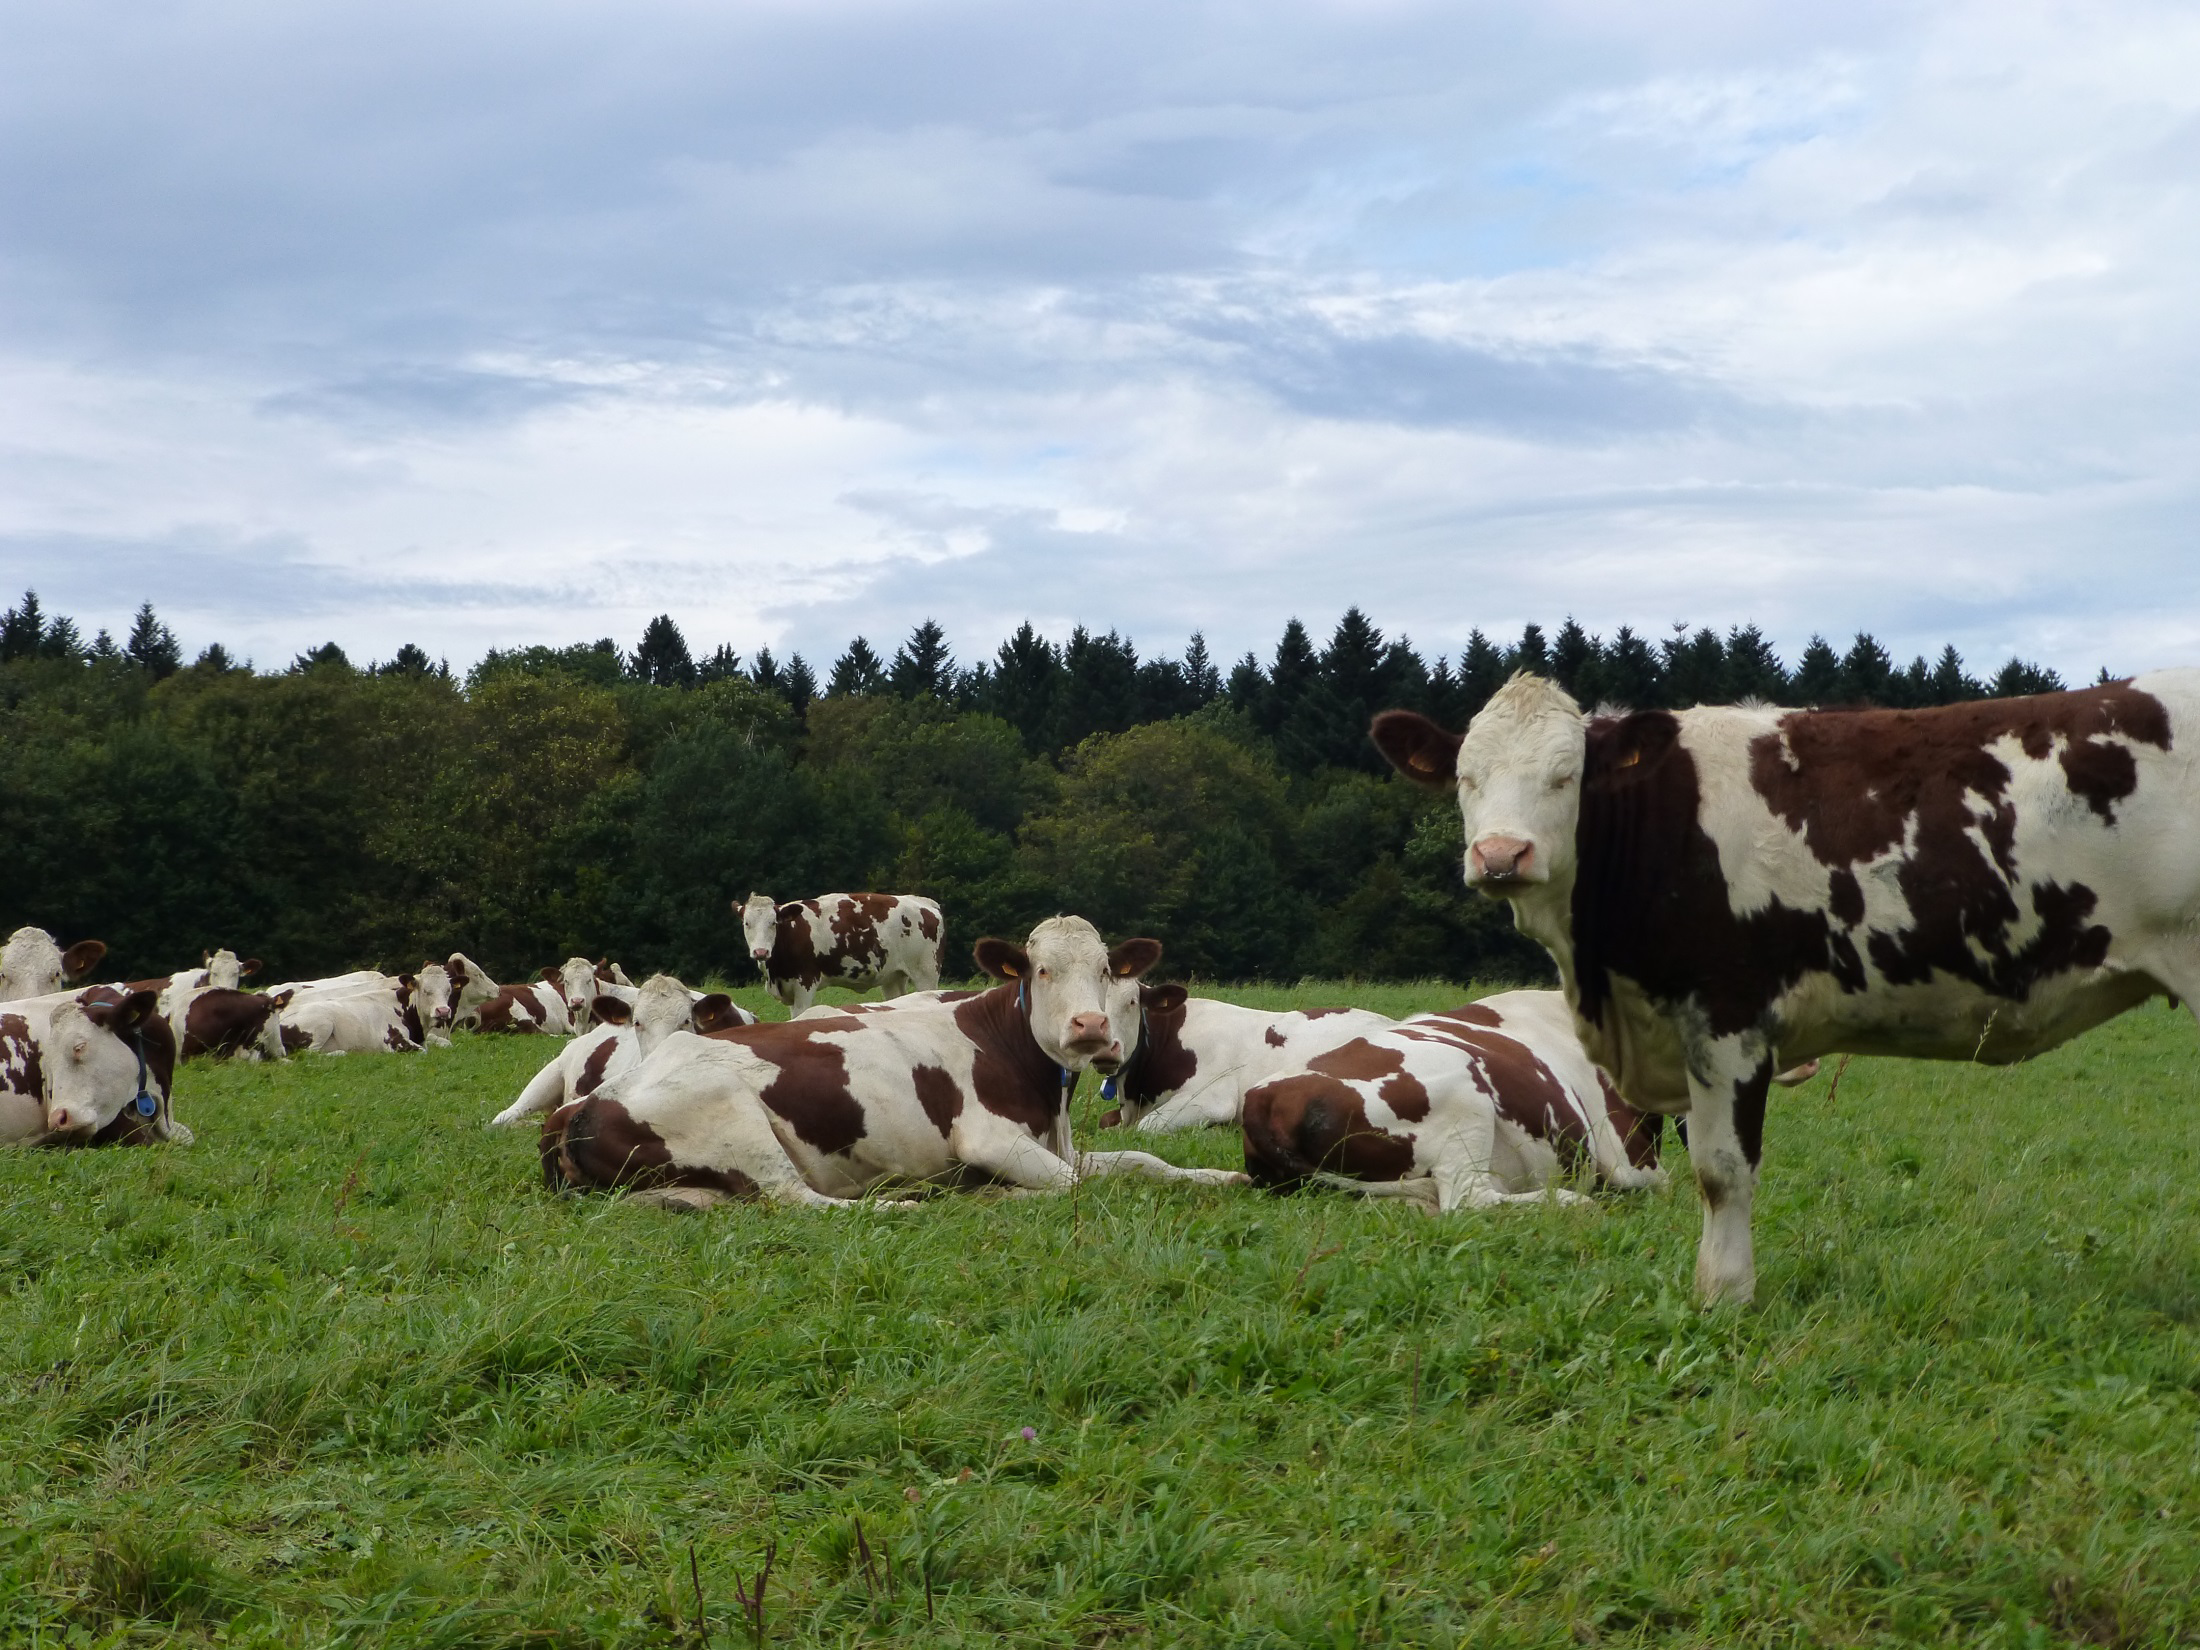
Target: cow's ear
1133, 958
613, 1011
130, 1013
1417, 747
1162, 999
81, 958
405, 984
1001, 959
1624, 751
205, 957
459, 976
714, 1012
547, 974
281, 999
249, 967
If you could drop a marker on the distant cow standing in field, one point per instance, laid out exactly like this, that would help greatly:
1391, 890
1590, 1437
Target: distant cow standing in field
891, 941
1728, 889
32, 964
1473, 1106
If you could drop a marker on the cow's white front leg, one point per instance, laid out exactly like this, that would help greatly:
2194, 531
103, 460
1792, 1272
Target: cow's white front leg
1727, 1078
1092, 1165
1009, 1155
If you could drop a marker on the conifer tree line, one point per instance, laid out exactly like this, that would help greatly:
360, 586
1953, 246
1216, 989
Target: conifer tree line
590, 798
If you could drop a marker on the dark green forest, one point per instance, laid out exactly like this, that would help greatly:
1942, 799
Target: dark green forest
553, 800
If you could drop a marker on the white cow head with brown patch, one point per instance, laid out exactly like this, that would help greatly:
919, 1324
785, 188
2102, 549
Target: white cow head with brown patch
226, 971
1518, 772
759, 915
1081, 999
91, 1064
32, 964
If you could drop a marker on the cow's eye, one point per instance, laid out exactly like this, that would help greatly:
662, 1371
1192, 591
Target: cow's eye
1562, 781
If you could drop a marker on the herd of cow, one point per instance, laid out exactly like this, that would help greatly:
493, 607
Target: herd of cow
1729, 893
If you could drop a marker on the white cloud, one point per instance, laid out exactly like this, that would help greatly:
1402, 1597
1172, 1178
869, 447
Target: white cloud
510, 326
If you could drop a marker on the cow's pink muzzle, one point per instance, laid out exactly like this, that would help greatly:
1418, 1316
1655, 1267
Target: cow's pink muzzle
1502, 859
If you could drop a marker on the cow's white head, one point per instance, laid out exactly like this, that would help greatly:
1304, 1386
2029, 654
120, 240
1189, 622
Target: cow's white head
436, 994
576, 981
91, 1062
226, 970
32, 963
662, 1005
1518, 772
759, 926
1081, 998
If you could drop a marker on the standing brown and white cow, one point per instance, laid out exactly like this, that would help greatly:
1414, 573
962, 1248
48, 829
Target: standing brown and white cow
32, 964
821, 1111
1726, 890
891, 941
1488, 1103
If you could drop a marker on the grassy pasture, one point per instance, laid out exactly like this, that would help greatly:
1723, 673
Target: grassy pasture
341, 1373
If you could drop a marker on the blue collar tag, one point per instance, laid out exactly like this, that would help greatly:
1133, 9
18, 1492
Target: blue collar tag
1108, 1087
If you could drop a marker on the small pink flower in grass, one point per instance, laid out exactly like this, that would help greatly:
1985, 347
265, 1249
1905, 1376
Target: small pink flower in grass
1031, 1435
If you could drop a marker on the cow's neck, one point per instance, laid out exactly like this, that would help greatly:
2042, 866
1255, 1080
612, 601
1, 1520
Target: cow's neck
1004, 1022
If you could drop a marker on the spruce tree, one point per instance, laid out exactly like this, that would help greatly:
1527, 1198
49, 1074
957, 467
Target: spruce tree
1576, 662
1950, 684
1445, 701
22, 630
1912, 687
1632, 677
2020, 677
1530, 653
1099, 691
1248, 688
1023, 685
409, 660
1817, 675
62, 640
1695, 669
152, 646
662, 658
1753, 670
328, 656
1481, 673
103, 650
1295, 671
723, 665
766, 674
1867, 673
801, 685
1403, 681
1200, 674
214, 660
859, 670
923, 668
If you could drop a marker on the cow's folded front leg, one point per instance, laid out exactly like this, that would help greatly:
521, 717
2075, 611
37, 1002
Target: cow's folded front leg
1013, 1158
1091, 1165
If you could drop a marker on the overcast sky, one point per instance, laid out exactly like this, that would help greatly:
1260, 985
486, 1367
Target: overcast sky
485, 324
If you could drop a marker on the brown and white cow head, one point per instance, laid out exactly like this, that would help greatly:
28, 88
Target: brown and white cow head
1518, 773
759, 915
1080, 998
92, 1065
32, 964
576, 981
225, 970
435, 993
663, 1006
470, 986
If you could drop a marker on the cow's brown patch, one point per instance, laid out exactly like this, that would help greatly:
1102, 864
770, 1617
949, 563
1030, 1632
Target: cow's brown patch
1307, 1123
1011, 1074
593, 1068
794, 952
1323, 1013
1273, 1038
601, 1143
221, 1022
928, 922
1528, 1094
295, 1039
810, 1089
855, 923
550, 1143
1361, 1061
939, 1094
22, 1071
1161, 1063
1641, 1132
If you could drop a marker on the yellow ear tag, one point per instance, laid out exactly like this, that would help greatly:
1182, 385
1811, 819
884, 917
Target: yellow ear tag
1421, 763
1630, 759
1010, 972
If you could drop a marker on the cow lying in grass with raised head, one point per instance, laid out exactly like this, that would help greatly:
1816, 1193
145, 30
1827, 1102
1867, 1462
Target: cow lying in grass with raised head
370, 1019
209, 1020
1489, 1103
32, 964
825, 1110
1196, 1058
478, 1003
624, 1036
88, 1068
1729, 889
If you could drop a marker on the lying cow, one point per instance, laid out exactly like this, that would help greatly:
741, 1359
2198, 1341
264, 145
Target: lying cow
822, 1111
624, 1036
89, 1068
1485, 1104
220, 969
891, 941
1197, 1058
209, 1020
479, 1003
369, 1020
362, 979
32, 964
1725, 890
